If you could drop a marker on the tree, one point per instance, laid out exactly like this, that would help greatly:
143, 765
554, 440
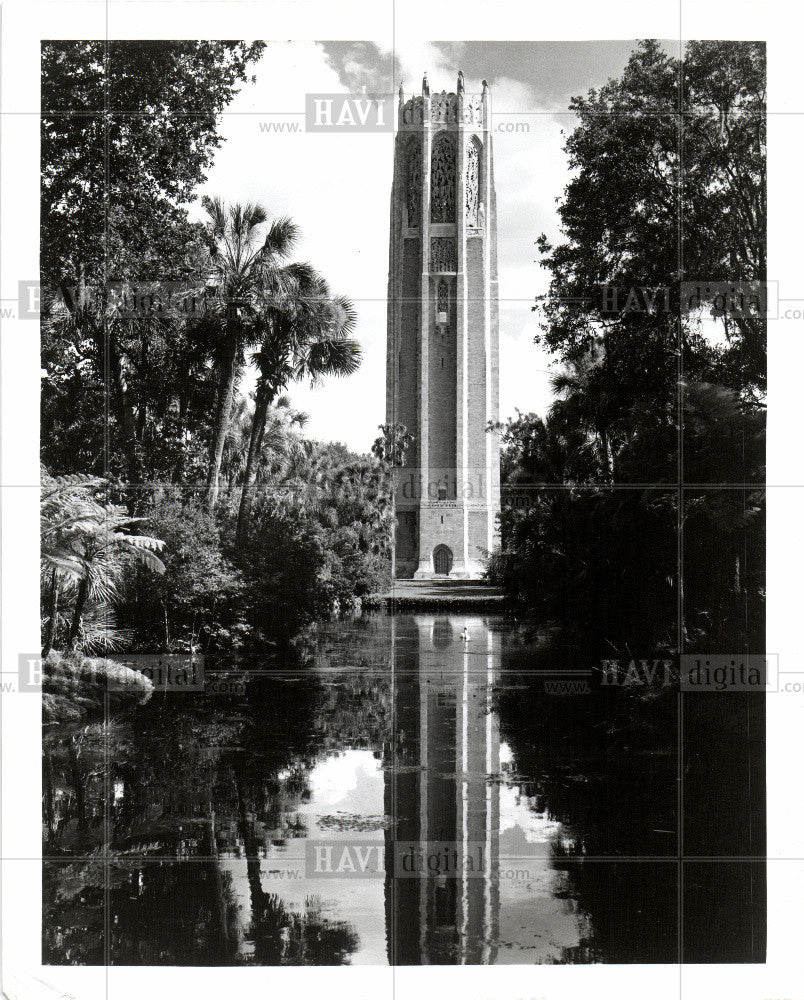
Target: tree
200, 595
281, 438
139, 354
307, 336
668, 187
113, 210
244, 265
391, 448
85, 545
583, 405
607, 557
392, 445
113, 190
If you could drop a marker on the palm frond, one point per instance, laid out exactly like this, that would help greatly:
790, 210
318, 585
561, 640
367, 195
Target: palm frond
331, 356
281, 238
344, 314
252, 216
216, 210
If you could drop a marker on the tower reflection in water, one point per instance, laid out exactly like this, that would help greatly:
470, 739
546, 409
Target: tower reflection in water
442, 789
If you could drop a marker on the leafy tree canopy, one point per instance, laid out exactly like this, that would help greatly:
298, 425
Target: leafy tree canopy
129, 130
668, 186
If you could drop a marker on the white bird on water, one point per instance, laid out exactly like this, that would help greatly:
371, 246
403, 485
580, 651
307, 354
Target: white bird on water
465, 634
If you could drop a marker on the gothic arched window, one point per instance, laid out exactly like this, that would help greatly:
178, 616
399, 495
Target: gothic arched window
442, 190
413, 182
472, 182
443, 297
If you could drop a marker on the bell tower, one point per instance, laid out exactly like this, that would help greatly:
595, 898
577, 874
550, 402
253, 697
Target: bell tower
443, 333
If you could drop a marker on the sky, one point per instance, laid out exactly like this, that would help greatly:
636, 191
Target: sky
337, 186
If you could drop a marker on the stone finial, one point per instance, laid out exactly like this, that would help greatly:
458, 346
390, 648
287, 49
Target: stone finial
485, 88
425, 86
460, 81
401, 96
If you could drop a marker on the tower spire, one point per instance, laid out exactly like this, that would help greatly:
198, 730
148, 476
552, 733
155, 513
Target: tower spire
442, 358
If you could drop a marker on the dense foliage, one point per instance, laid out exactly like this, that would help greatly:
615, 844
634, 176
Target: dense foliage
634, 510
113, 189
149, 324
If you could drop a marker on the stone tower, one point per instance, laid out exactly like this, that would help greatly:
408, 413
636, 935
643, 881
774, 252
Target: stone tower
443, 723
443, 339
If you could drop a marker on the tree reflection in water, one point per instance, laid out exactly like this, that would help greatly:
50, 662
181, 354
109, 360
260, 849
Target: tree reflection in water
398, 729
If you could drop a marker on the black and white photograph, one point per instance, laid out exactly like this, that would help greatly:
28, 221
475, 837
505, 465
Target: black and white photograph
392, 590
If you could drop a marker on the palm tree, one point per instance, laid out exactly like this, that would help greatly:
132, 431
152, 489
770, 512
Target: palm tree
585, 405
306, 336
281, 437
84, 546
243, 265
120, 339
236, 444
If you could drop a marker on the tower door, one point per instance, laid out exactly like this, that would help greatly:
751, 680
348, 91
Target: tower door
442, 560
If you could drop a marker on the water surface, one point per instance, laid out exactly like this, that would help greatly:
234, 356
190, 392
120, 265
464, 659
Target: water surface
187, 834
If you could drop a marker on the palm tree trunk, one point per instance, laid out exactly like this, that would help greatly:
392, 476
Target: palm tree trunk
223, 417
109, 354
265, 397
80, 604
53, 610
125, 410
47, 789
608, 456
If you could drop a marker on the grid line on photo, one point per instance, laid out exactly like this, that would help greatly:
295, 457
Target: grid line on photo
391, 945
680, 506
614, 859
107, 958
553, 113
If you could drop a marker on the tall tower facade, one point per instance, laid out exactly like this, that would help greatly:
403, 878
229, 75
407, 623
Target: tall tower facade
443, 333
444, 726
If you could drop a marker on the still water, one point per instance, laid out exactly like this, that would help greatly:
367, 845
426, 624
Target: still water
293, 818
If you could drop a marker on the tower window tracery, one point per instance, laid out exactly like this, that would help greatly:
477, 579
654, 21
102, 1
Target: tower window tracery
442, 189
472, 182
413, 182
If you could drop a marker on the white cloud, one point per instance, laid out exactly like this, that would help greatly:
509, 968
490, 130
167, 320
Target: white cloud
352, 780
337, 188
417, 58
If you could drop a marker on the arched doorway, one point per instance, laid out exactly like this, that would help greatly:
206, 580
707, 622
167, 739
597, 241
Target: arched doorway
442, 560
